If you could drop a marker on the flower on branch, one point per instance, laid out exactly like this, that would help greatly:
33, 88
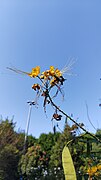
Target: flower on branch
35, 72
94, 170
51, 79
53, 75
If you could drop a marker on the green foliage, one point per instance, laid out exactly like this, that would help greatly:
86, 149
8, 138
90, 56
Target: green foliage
32, 164
43, 157
7, 134
56, 155
9, 154
31, 141
8, 163
47, 141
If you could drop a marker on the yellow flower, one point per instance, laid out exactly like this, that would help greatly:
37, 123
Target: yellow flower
45, 75
52, 71
97, 173
99, 167
35, 72
92, 170
53, 81
58, 73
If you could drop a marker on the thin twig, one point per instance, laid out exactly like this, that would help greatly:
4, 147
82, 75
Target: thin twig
89, 117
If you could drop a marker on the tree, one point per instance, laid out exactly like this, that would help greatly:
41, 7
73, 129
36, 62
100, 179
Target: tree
47, 141
33, 163
9, 154
9, 158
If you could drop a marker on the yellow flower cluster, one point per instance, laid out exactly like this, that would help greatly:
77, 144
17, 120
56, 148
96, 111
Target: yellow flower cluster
52, 74
94, 170
99, 167
46, 74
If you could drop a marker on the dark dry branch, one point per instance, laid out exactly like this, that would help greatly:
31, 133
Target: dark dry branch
87, 132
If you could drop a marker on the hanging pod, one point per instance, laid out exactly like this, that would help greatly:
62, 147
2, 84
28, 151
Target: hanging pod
68, 165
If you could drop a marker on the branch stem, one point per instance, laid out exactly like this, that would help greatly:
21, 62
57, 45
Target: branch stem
87, 132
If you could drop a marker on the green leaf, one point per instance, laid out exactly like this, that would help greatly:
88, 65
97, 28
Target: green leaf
68, 165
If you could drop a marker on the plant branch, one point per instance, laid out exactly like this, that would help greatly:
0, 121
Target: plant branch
87, 132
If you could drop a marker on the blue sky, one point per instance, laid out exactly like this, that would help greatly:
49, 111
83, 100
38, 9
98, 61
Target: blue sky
44, 33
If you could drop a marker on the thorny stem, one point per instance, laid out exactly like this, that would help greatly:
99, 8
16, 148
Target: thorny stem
87, 132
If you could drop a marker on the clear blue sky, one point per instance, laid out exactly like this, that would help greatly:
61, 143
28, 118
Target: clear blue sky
44, 33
